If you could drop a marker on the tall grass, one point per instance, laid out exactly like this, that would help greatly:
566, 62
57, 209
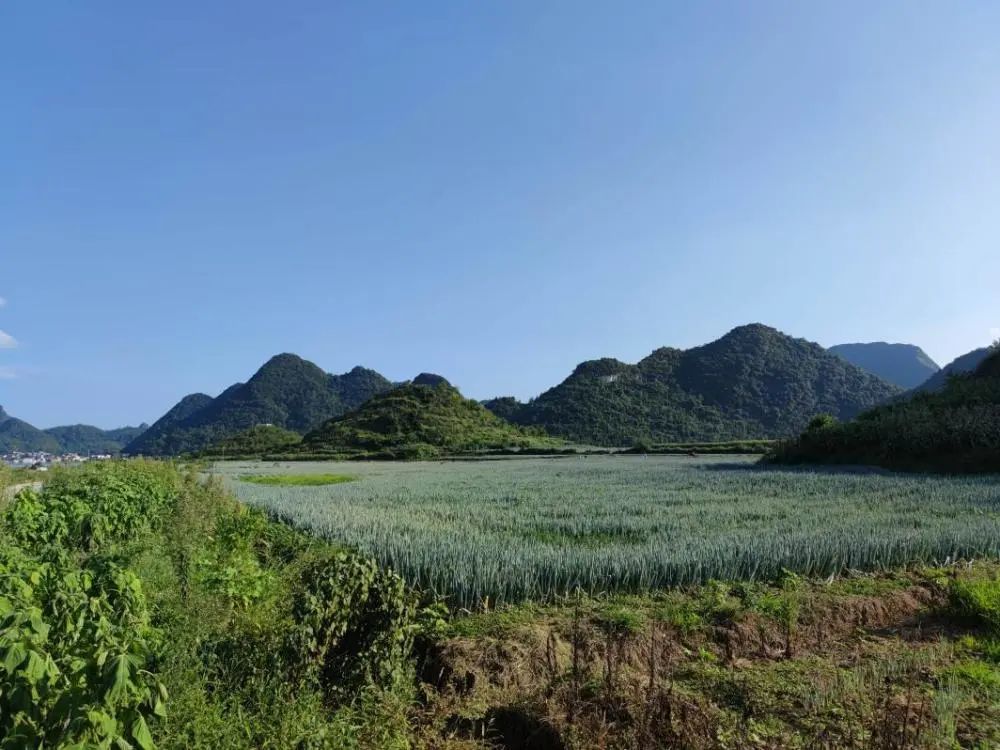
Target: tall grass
536, 528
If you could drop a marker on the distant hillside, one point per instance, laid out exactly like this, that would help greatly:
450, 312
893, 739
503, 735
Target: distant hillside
965, 364
256, 441
287, 391
953, 429
904, 365
87, 440
18, 435
418, 421
754, 382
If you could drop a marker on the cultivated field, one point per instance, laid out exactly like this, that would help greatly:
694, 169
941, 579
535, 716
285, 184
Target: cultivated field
516, 529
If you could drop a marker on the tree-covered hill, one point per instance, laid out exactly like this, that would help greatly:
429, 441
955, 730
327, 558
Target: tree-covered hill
962, 365
954, 429
754, 382
154, 439
18, 435
87, 440
287, 391
418, 421
904, 365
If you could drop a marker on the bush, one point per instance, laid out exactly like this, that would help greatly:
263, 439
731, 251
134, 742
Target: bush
822, 422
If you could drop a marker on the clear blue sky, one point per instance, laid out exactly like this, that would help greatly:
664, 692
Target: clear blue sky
492, 191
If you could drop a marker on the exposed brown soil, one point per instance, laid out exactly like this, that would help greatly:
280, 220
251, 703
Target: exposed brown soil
563, 682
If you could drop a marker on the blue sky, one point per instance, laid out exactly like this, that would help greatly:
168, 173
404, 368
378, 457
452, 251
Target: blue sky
492, 191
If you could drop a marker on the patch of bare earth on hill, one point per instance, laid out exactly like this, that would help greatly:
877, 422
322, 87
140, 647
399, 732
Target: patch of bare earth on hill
851, 671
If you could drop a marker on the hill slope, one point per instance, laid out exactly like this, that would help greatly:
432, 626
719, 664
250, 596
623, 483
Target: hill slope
962, 365
18, 435
954, 429
287, 391
86, 439
416, 420
257, 441
904, 365
754, 382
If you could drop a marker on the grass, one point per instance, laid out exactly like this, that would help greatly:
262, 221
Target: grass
519, 529
297, 480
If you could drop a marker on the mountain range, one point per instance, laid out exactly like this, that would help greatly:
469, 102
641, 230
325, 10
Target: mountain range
754, 382
905, 365
287, 391
18, 435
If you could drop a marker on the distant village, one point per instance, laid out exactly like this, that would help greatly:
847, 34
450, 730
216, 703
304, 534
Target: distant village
41, 461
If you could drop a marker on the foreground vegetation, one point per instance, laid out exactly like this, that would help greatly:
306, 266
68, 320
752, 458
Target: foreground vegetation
954, 430
142, 608
515, 529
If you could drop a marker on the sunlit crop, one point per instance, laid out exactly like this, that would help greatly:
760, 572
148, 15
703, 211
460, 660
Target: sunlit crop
534, 528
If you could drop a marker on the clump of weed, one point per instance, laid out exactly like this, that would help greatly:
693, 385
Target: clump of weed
977, 599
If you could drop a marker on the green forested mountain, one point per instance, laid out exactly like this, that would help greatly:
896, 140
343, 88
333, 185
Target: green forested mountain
418, 420
86, 439
953, 429
962, 365
18, 435
154, 439
754, 382
287, 391
904, 365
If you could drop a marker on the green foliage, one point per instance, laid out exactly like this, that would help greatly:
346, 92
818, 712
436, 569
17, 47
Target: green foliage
956, 429
978, 675
821, 422
417, 421
755, 382
126, 589
93, 507
621, 621
287, 392
963, 365
977, 598
76, 639
353, 625
297, 480
257, 441
75, 645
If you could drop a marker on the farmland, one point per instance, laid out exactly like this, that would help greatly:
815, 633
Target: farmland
510, 530
141, 606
